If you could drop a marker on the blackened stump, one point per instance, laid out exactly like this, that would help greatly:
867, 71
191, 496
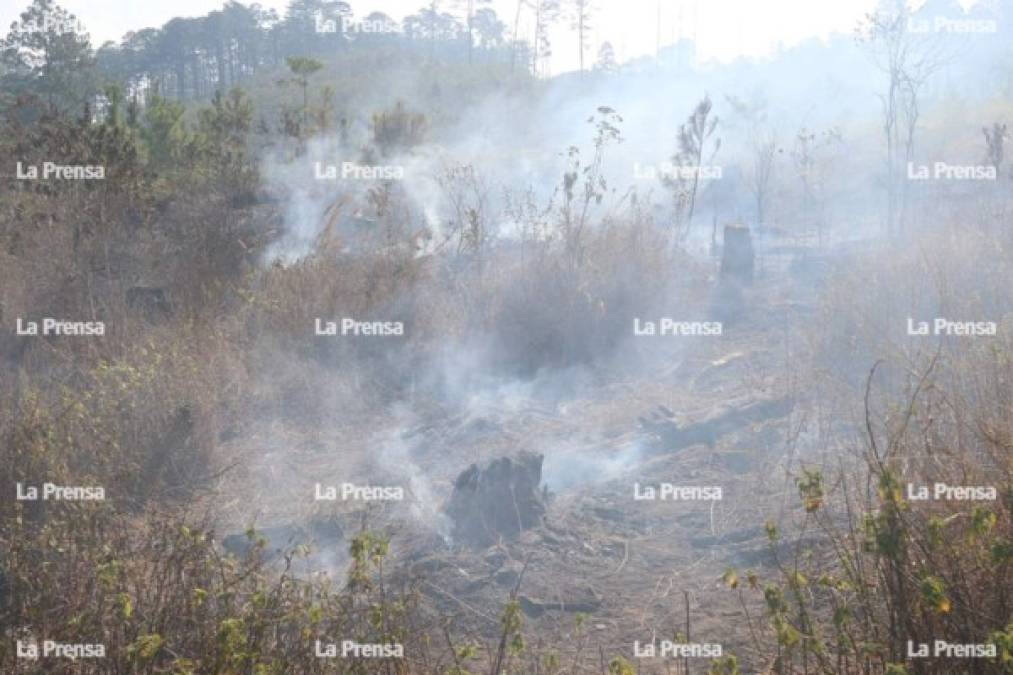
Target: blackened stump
738, 259
498, 501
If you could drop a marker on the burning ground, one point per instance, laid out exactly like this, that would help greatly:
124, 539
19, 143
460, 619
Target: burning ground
536, 487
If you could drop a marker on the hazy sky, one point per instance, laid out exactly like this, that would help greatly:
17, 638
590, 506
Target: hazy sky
724, 28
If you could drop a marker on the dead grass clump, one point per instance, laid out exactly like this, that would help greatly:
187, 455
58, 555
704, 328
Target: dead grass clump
903, 563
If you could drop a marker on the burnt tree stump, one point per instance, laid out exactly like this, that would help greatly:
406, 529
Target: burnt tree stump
738, 259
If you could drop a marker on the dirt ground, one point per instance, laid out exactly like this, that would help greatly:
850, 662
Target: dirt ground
726, 411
